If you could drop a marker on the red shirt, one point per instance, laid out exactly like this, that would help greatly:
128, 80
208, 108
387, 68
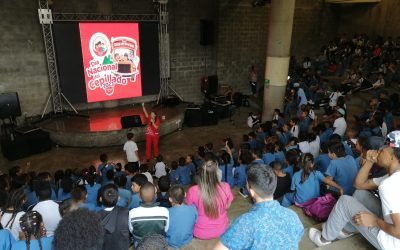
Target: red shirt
151, 130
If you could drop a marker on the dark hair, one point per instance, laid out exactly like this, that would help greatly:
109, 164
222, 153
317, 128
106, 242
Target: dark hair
103, 157
19, 181
324, 147
58, 175
262, 180
15, 200
246, 157
164, 183
73, 226
257, 152
225, 158
43, 190
130, 136
110, 175
66, 184
132, 168
78, 193
270, 148
109, 195
335, 138
139, 179
12, 172
144, 189
66, 206
182, 161
118, 166
337, 149
30, 224
174, 165
153, 242
120, 181
90, 177
159, 158
307, 164
177, 194
144, 168
292, 157
276, 165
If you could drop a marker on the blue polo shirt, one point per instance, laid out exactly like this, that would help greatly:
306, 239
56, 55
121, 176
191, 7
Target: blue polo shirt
124, 197
135, 201
240, 175
322, 162
343, 171
229, 173
184, 175
174, 176
268, 158
324, 136
181, 222
267, 225
92, 193
6, 239
309, 188
34, 244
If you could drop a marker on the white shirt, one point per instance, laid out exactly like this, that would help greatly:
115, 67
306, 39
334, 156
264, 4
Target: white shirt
388, 187
314, 147
50, 213
340, 126
149, 177
251, 120
130, 149
160, 169
14, 230
295, 131
333, 99
304, 147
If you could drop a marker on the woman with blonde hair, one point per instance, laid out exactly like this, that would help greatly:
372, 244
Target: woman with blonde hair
211, 199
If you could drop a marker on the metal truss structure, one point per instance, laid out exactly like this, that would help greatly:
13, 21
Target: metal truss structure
46, 18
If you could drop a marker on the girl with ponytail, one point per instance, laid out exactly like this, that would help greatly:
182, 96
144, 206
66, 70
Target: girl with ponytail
306, 183
211, 199
34, 233
12, 211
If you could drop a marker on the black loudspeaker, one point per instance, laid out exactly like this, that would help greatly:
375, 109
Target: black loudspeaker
212, 87
193, 117
206, 32
131, 121
15, 147
9, 105
38, 141
209, 114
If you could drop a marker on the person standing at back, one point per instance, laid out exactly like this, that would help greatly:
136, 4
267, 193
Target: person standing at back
131, 149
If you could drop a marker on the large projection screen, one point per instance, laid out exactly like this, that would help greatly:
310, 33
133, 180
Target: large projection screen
107, 61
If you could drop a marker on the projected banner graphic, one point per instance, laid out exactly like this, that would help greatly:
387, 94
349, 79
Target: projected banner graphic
111, 60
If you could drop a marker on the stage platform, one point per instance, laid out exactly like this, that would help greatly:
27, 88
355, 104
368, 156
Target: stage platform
102, 128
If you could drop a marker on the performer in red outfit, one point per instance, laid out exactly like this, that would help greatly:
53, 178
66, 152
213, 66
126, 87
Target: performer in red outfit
152, 135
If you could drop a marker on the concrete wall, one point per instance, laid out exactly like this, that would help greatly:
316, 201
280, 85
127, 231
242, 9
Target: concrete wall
373, 19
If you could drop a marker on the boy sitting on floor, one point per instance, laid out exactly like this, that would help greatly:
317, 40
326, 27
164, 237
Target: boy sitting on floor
182, 219
149, 218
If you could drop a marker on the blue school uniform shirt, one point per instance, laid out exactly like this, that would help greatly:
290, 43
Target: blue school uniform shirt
174, 176
268, 158
63, 196
267, 225
280, 157
6, 239
324, 136
135, 201
32, 198
253, 144
124, 197
181, 222
184, 175
34, 244
229, 173
192, 168
343, 171
89, 206
284, 137
92, 193
304, 125
103, 169
240, 175
258, 161
128, 185
309, 188
322, 162
289, 170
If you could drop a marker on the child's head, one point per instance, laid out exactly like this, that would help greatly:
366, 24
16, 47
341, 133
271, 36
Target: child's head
294, 121
131, 168
159, 158
174, 165
176, 195
189, 159
109, 195
144, 168
110, 175
277, 111
120, 181
130, 136
164, 184
103, 158
252, 135
79, 194
336, 150
147, 193
276, 165
31, 224
137, 182
182, 161
118, 167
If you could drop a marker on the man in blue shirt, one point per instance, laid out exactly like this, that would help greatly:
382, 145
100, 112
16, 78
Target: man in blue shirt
342, 169
267, 225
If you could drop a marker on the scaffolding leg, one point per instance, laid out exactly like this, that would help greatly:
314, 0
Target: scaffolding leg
70, 104
45, 107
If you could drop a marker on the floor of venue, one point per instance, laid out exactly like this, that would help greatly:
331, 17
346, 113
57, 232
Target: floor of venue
181, 143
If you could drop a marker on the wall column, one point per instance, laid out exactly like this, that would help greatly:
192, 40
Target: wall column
278, 55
